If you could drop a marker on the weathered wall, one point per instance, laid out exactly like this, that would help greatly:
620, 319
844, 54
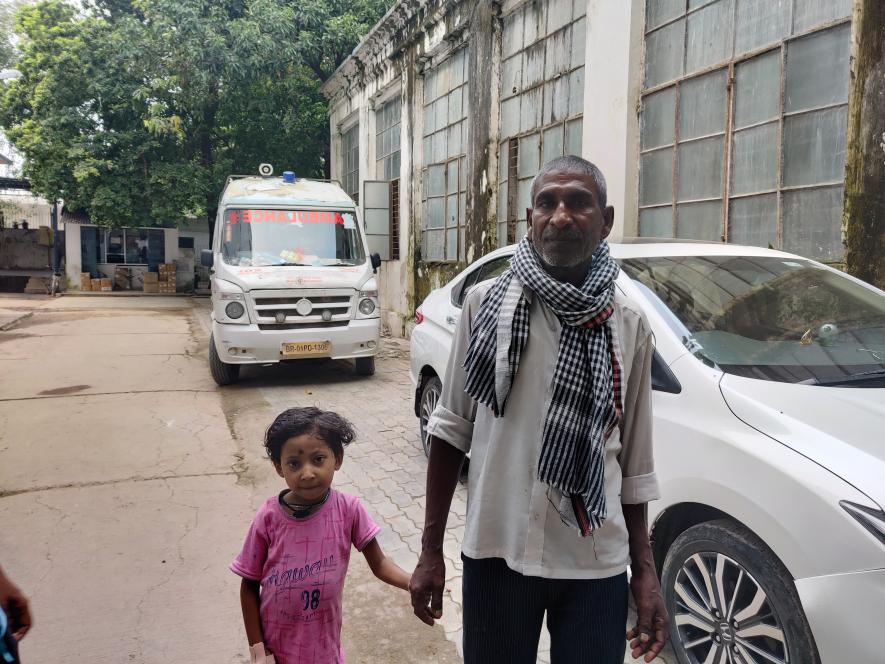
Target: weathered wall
864, 215
390, 59
25, 249
482, 153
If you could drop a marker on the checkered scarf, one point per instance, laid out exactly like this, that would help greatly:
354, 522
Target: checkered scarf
586, 402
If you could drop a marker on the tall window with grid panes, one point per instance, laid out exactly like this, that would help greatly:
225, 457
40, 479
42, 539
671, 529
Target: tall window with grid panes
445, 166
744, 119
350, 148
387, 161
542, 98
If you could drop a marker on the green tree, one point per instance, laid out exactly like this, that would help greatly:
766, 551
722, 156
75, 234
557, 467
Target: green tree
8, 51
135, 111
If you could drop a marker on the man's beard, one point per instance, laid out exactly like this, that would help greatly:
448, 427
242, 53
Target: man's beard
568, 252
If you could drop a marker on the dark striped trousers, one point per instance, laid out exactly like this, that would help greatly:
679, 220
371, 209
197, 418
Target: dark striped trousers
504, 611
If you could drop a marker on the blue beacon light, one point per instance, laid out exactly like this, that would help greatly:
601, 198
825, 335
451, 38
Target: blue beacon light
288, 176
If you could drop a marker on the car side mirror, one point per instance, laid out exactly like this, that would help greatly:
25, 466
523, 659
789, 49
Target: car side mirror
376, 261
662, 378
207, 258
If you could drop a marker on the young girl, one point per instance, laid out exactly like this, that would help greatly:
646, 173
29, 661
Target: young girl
295, 555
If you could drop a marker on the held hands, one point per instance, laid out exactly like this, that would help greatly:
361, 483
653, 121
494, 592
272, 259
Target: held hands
426, 586
260, 655
650, 633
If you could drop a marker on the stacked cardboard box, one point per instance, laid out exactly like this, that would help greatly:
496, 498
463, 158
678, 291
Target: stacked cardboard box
107, 285
96, 284
151, 282
167, 281
85, 281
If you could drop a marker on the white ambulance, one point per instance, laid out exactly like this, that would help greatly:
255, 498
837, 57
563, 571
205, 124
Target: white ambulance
292, 277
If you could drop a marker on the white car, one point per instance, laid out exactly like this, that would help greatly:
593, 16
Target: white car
769, 408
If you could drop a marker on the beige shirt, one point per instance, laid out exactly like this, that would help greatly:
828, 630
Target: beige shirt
509, 515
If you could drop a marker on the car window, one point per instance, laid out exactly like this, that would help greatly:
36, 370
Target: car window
492, 269
772, 318
459, 292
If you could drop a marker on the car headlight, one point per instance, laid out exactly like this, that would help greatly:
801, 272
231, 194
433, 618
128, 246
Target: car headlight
870, 518
367, 306
227, 295
234, 310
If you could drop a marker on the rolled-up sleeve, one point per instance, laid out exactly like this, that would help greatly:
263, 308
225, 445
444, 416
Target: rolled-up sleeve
452, 420
639, 484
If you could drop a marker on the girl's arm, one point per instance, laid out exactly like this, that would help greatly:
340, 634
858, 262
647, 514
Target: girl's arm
249, 600
383, 567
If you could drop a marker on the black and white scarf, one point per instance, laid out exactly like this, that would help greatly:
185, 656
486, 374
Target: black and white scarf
586, 392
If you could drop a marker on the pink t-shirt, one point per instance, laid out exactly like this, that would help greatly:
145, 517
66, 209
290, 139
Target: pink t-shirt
301, 565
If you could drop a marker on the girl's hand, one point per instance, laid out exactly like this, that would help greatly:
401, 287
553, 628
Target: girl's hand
260, 655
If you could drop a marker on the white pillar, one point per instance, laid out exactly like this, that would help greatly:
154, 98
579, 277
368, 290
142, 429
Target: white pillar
612, 80
73, 258
170, 236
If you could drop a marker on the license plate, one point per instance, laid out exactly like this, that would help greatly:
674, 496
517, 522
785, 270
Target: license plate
306, 349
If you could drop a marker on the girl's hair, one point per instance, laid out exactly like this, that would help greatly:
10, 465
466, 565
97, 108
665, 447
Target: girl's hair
330, 427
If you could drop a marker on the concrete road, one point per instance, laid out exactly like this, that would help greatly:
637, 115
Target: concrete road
128, 480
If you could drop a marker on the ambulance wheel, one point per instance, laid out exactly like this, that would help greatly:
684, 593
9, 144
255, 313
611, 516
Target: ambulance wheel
223, 374
365, 366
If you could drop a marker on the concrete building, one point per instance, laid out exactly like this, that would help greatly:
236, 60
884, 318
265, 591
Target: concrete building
712, 119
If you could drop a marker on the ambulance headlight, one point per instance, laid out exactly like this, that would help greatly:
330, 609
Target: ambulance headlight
234, 310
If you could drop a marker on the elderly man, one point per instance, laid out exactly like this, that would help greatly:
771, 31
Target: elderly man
549, 388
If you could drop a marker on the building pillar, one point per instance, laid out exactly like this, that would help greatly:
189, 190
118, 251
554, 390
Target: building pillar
864, 216
612, 81
73, 258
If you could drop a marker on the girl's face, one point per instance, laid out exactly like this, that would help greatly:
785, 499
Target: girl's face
308, 465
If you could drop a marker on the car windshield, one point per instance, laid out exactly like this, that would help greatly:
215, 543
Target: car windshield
256, 237
780, 319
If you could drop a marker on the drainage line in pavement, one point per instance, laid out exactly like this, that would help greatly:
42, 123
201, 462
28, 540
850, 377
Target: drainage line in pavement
103, 394
87, 485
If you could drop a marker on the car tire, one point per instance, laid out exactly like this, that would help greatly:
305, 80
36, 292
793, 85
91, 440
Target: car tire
757, 606
430, 394
365, 366
222, 373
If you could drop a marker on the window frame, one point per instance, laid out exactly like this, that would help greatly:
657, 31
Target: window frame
103, 233
381, 128
454, 218
511, 216
728, 197
354, 150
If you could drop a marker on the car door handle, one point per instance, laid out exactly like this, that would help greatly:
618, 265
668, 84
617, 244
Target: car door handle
451, 320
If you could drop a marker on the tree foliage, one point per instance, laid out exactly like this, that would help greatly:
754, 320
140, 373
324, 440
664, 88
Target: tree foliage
135, 111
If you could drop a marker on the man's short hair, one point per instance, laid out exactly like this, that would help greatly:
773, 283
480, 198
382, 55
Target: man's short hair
574, 164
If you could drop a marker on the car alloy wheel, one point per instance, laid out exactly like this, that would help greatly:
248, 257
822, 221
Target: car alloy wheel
732, 601
430, 394
723, 615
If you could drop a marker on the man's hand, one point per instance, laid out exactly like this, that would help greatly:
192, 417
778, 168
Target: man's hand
650, 633
15, 606
426, 586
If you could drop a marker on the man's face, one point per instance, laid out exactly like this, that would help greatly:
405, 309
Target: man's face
567, 222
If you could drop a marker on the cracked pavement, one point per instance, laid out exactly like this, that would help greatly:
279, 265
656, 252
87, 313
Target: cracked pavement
128, 481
